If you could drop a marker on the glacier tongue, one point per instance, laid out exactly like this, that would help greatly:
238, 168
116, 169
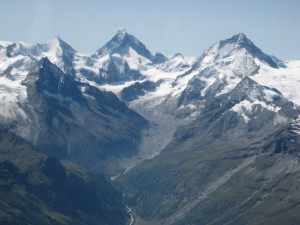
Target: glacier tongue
12, 95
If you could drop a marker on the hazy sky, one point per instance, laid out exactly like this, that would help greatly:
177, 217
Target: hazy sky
168, 26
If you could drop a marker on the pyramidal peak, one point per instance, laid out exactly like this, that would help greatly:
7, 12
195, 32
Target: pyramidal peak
241, 37
53, 44
55, 41
238, 43
58, 42
122, 43
121, 33
56, 38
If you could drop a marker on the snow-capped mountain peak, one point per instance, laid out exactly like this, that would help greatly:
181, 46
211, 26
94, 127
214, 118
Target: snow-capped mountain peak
57, 42
240, 39
242, 36
58, 52
121, 33
237, 45
127, 45
54, 46
125, 60
223, 66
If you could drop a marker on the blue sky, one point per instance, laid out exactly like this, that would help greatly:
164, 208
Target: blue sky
168, 26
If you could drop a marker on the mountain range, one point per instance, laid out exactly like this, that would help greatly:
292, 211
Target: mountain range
212, 139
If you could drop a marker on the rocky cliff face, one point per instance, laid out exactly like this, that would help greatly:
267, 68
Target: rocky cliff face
38, 189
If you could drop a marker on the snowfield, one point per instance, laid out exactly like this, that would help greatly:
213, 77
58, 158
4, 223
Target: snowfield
286, 80
220, 68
